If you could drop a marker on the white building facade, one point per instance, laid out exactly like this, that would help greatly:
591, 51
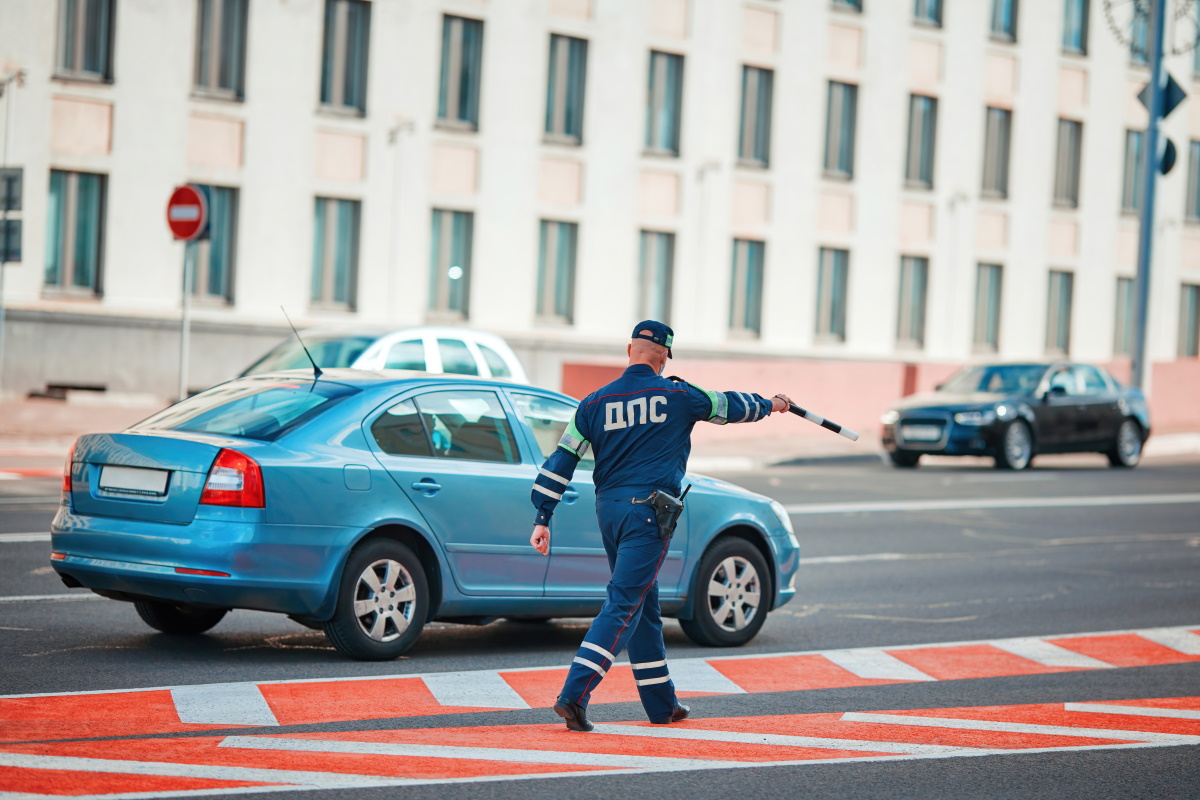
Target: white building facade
911, 180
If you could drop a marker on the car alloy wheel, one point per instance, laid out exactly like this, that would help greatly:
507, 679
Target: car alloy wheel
1127, 450
731, 595
382, 601
1016, 447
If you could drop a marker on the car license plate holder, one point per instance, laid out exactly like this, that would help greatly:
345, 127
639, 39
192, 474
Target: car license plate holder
921, 433
134, 480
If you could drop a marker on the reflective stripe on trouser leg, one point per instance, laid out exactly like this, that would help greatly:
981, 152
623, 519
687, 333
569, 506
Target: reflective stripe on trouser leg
648, 657
630, 532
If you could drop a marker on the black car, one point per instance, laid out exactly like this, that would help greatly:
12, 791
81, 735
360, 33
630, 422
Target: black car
1013, 412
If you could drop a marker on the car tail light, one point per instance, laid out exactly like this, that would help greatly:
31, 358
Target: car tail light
66, 481
234, 479
190, 571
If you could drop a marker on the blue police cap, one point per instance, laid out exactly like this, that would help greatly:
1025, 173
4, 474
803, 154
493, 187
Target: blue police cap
655, 332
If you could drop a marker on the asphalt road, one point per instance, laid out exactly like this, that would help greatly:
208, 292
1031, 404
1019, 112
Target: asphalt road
954, 551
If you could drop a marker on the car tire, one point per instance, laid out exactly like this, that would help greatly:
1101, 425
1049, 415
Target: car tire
734, 615
178, 618
904, 459
1127, 447
382, 602
1016, 446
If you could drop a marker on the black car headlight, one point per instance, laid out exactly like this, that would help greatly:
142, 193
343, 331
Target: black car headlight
975, 417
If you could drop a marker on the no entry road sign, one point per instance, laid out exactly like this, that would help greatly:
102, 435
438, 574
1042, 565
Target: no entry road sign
187, 212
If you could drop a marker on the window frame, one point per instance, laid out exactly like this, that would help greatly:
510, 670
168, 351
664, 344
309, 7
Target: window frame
920, 145
840, 97
66, 231
1068, 163
664, 97
1189, 321
441, 291
328, 248
1084, 26
998, 31
1123, 316
1191, 213
754, 129
1134, 171
833, 272
564, 85
997, 152
555, 302
747, 278
928, 13
848, 6
457, 59
203, 248
209, 86
989, 298
70, 55
1059, 314
656, 274
336, 58
911, 316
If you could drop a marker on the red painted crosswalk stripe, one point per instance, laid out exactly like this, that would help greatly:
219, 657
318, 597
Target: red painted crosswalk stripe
65, 783
1124, 650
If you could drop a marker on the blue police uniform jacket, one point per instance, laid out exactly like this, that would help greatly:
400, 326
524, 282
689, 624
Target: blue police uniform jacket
639, 427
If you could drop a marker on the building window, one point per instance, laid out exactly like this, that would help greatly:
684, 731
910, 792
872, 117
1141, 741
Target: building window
664, 103
745, 306
928, 12
1139, 35
1066, 173
1004, 20
995, 152
1193, 182
1196, 50
1058, 313
1075, 26
564, 90
986, 337
556, 271
848, 5
85, 39
75, 231
1123, 330
754, 140
840, 117
450, 262
832, 274
657, 257
910, 323
462, 68
922, 132
1189, 320
1135, 169
335, 253
212, 271
344, 61
221, 47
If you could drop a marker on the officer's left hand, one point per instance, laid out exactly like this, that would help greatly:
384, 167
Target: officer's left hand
540, 539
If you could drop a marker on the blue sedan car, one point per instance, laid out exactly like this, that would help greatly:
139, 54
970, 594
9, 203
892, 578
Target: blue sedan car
366, 504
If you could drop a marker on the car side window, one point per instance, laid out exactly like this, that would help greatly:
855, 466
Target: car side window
408, 354
1091, 380
468, 425
1063, 379
548, 418
495, 362
399, 431
456, 357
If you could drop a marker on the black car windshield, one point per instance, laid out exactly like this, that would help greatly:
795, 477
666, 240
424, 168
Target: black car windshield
328, 351
253, 408
996, 379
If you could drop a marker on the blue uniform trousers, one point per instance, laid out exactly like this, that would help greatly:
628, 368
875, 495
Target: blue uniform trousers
630, 616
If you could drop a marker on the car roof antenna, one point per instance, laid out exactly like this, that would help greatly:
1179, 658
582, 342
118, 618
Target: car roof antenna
316, 370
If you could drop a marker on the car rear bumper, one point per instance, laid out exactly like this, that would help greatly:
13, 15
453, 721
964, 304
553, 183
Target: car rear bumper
283, 568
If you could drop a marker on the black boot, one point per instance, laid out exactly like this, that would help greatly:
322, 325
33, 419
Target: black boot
680, 712
575, 715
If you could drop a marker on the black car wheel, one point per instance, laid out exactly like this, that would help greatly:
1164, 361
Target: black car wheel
731, 595
1016, 446
1127, 449
178, 618
903, 458
383, 599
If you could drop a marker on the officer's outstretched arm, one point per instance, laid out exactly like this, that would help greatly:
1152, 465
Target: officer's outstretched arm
720, 408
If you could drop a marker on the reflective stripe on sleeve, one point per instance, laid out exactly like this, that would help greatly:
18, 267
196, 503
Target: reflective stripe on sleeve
573, 441
547, 492
552, 476
592, 665
603, 652
745, 399
651, 681
719, 411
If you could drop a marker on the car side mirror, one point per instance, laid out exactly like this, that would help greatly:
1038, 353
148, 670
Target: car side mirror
938, 388
1055, 391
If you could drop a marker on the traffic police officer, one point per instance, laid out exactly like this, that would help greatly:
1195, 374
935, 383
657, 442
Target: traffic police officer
639, 427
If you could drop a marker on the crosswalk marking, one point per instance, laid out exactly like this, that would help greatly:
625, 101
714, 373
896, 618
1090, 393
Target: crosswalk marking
1135, 711
1184, 641
871, 663
1049, 655
474, 690
223, 704
697, 675
818, 742
1020, 727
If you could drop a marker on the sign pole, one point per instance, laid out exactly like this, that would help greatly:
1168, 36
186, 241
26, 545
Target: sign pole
185, 322
1151, 162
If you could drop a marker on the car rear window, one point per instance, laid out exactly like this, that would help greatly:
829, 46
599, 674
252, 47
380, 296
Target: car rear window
329, 353
262, 409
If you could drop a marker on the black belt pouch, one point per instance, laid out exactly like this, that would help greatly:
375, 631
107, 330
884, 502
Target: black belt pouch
667, 509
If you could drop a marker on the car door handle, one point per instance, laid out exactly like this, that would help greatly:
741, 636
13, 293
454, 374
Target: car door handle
427, 487
569, 495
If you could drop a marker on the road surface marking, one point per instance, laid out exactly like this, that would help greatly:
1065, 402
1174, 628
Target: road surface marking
1020, 727
37, 598
474, 689
875, 663
1184, 641
1050, 655
697, 675
223, 704
991, 503
7, 538
818, 742
1135, 711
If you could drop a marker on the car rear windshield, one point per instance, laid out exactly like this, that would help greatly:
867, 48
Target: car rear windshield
329, 352
996, 378
261, 408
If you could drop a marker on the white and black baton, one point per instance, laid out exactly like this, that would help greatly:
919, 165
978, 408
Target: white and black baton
824, 423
